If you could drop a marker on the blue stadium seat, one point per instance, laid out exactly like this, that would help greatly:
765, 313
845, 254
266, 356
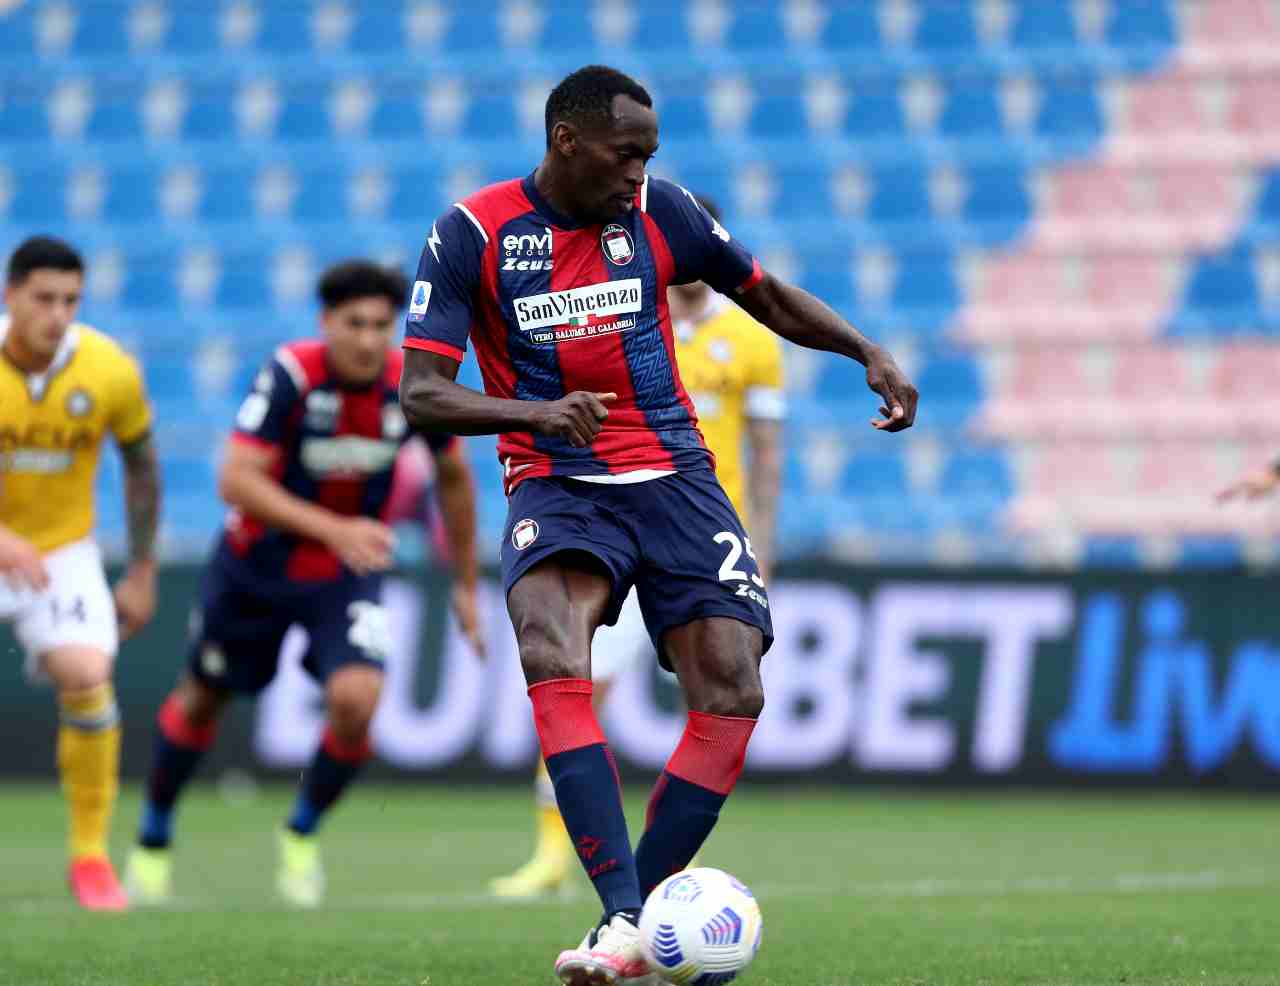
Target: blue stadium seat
778, 114
194, 28
40, 194
875, 111
660, 27
1043, 24
926, 280
683, 109
305, 113
946, 27
229, 194
1267, 208
285, 29
1112, 552
101, 28
804, 191
24, 115
399, 115
379, 28
491, 114
322, 192
852, 25
755, 27
1223, 283
17, 31
1141, 23
149, 282
900, 193
211, 112
1211, 552
971, 109
1069, 108
998, 200
976, 485
951, 378
875, 474
132, 194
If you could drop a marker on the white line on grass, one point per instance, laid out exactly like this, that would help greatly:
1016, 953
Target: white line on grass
1130, 883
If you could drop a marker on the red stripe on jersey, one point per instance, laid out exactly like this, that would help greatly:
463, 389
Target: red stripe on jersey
312, 356
394, 367
666, 265
243, 438
361, 415
754, 278
439, 348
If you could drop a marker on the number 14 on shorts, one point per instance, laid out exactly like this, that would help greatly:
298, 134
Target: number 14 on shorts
730, 573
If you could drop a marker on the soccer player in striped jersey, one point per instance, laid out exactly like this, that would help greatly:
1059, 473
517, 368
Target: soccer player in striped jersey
560, 281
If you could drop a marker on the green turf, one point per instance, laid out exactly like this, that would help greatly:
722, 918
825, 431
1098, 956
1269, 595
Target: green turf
866, 887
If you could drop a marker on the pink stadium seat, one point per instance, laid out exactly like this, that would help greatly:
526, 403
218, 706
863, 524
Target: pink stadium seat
1165, 105
1230, 24
1243, 388
1197, 200
1153, 393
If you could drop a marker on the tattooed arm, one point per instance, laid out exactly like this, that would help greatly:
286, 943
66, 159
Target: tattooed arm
136, 592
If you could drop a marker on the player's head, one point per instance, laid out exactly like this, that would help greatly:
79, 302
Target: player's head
601, 131
42, 293
687, 300
359, 301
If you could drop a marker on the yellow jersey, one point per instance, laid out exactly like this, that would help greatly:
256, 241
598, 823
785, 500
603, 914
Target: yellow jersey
731, 366
51, 429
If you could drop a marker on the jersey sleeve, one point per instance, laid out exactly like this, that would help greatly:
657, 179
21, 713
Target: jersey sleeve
442, 301
264, 414
702, 249
765, 398
131, 414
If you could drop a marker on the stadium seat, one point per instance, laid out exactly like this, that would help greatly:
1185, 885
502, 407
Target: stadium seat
1043, 24
1148, 23
972, 109
852, 26
1069, 109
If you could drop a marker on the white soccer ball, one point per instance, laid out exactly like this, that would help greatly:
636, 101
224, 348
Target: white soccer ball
700, 927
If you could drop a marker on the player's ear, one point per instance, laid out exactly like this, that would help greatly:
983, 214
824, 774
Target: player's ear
564, 138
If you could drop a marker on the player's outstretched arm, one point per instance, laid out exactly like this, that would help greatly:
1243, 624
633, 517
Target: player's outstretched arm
432, 400
457, 496
247, 483
1252, 485
135, 593
799, 317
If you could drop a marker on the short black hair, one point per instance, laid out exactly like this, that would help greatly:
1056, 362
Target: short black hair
713, 210
41, 253
586, 96
353, 279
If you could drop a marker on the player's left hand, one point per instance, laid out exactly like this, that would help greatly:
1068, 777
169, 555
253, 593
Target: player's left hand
886, 378
136, 598
467, 610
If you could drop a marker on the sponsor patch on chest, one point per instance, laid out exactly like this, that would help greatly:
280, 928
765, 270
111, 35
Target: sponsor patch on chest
580, 313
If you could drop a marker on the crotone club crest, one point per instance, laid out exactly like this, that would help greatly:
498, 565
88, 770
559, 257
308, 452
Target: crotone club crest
617, 245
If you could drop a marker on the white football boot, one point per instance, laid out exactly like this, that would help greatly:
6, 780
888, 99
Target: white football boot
610, 955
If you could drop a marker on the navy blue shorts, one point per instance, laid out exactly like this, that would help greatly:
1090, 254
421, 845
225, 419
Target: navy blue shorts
677, 539
240, 624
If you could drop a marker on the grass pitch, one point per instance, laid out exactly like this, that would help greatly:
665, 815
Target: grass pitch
856, 887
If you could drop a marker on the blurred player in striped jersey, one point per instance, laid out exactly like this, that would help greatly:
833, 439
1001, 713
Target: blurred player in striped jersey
732, 368
308, 476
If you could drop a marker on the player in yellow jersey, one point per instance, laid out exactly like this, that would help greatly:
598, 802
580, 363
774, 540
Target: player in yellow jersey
63, 386
731, 365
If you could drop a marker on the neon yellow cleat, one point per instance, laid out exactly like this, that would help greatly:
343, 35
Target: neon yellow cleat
300, 878
148, 877
543, 874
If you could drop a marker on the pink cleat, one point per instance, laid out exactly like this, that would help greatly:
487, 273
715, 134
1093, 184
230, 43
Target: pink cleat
94, 883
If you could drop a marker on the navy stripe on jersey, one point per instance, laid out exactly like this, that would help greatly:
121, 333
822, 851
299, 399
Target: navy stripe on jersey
652, 373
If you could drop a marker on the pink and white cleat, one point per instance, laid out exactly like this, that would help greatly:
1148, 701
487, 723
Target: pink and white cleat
610, 955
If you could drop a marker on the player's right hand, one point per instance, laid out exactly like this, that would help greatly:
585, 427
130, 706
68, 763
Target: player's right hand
1251, 486
363, 544
576, 417
21, 562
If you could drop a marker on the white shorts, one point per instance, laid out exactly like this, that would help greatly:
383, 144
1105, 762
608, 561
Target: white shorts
76, 608
622, 646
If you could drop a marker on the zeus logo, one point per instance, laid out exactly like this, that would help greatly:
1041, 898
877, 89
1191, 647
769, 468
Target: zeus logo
527, 251
434, 241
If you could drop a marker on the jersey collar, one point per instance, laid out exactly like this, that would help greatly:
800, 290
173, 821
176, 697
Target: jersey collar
544, 208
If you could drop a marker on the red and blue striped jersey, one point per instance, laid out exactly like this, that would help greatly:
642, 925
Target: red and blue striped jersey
553, 306
337, 447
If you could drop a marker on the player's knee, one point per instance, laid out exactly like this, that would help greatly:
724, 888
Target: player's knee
74, 669
352, 700
726, 688
547, 652
201, 704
